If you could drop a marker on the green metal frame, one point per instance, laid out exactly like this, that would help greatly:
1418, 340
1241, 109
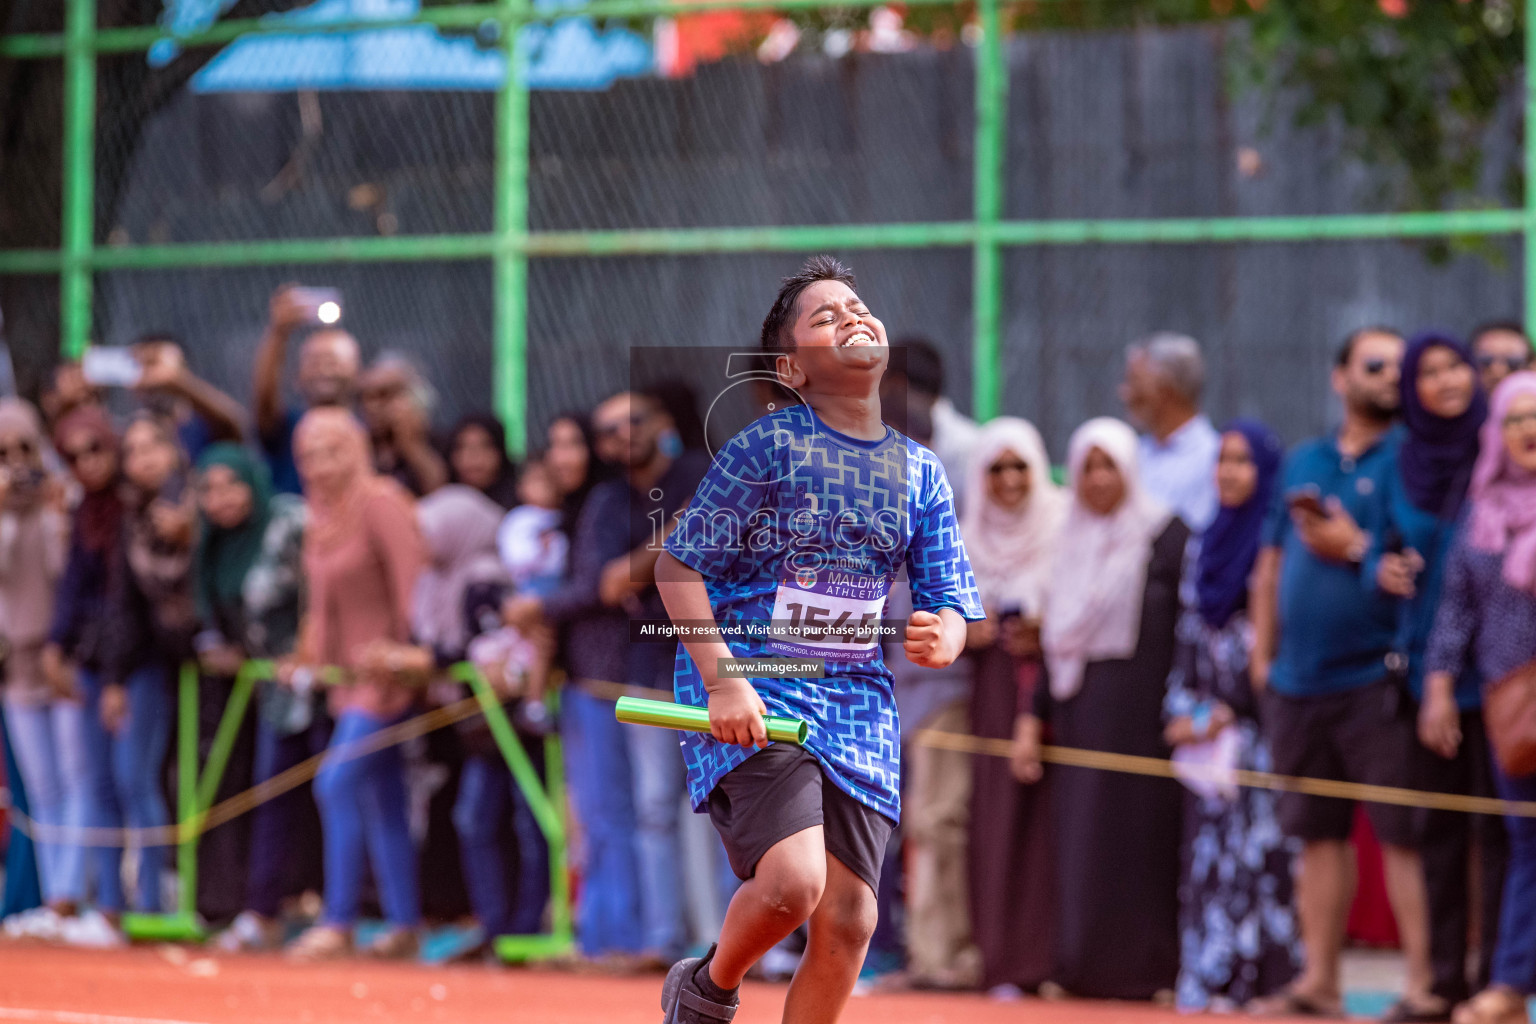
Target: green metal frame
546, 800
196, 791
510, 244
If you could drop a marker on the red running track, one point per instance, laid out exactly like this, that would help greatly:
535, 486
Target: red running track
176, 985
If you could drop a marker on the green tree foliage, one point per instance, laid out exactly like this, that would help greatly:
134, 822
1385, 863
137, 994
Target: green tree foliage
1415, 84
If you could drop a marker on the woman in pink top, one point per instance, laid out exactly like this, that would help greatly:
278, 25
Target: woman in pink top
362, 552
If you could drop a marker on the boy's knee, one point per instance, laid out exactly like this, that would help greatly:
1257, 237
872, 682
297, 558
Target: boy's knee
790, 892
849, 918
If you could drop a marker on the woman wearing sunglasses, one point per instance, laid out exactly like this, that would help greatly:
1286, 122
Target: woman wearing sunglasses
43, 725
1487, 618
148, 621
77, 642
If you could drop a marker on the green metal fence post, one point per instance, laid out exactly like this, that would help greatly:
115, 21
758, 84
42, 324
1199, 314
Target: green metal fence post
547, 802
986, 262
79, 174
181, 925
511, 259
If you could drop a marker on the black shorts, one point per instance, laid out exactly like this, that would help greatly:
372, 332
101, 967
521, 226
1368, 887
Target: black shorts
1365, 736
781, 790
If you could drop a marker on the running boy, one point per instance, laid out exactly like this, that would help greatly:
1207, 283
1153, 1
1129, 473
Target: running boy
802, 521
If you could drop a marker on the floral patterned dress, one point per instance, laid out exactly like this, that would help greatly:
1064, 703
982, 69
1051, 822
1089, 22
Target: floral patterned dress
1238, 934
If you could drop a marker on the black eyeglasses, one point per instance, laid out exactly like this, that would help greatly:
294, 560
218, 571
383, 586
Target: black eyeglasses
999, 468
1519, 420
1510, 363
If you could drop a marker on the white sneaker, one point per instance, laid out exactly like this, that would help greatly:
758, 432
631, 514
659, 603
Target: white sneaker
92, 930
248, 931
42, 923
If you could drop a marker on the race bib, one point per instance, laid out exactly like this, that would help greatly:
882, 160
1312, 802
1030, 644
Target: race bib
829, 614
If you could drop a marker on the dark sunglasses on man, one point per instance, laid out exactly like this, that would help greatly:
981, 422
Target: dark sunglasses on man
1511, 364
636, 419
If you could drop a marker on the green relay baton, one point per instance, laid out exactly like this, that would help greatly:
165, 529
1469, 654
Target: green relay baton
637, 711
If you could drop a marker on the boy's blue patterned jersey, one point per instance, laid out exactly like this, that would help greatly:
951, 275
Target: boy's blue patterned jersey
799, 525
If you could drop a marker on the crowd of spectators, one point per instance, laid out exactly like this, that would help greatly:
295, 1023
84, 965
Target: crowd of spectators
1187, 591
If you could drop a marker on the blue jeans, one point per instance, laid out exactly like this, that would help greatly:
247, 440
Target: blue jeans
363, 814
126, 786
487, 792
1514, 958
273, 823
656, 767
50, 748
597, 767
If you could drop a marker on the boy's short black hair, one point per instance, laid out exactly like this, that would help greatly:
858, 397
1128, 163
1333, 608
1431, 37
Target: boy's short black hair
777, 334
1347, 349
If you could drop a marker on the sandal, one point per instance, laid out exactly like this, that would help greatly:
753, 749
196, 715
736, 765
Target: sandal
321, 942
1493, 1006
1405, 1012
1291, 1003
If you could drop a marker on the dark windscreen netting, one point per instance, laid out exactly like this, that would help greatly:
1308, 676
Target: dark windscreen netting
1128, 123
438, 313
35, 90
587, 315
1270, 317
307, 164
1164, 122
30, 306
869, 138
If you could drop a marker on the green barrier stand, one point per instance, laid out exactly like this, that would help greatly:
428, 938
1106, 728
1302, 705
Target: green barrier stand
546, 800
195, 793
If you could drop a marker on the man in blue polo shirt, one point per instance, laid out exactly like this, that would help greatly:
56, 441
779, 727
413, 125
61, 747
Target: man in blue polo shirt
1337, 707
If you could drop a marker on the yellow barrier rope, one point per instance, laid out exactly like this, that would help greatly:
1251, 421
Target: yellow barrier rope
1100, 760
250, 799
1156, 767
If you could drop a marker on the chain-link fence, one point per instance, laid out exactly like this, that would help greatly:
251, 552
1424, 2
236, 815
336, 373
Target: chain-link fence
1030, 200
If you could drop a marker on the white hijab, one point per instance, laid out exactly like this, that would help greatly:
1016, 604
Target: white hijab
1011, 549
1093, 605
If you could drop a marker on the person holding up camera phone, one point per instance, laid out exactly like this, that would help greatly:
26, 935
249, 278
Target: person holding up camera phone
329, 363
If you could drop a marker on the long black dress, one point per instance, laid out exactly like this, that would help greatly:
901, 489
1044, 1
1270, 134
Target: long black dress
1118, 835
1012, 847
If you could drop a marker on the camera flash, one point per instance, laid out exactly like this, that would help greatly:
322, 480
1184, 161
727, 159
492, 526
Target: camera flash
328, 312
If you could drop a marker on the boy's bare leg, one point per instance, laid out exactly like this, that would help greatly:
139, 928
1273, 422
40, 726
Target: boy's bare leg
841, 928
787, 887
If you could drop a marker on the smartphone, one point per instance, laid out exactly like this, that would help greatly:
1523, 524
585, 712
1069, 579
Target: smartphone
111, 366
323, 305
1307, 499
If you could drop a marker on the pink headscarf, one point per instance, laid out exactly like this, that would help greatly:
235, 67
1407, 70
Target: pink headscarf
1504, 495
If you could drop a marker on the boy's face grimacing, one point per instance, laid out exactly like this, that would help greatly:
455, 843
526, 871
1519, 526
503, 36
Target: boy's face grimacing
840, 348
